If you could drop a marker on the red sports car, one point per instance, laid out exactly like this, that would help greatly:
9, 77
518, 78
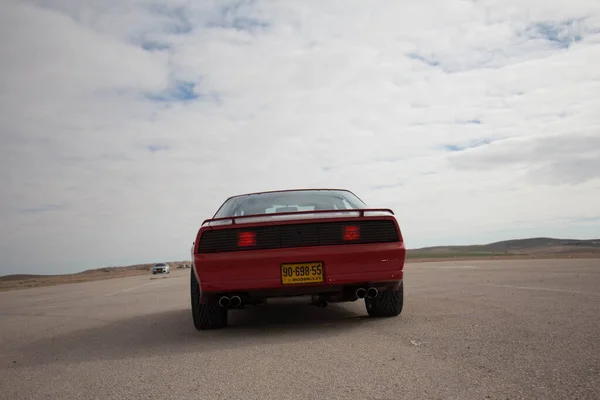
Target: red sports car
323, 243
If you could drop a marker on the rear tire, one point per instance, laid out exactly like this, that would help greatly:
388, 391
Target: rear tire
388, 303
209, 315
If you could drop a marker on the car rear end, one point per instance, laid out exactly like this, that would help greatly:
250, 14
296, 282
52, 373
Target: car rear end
325, 243
299, 253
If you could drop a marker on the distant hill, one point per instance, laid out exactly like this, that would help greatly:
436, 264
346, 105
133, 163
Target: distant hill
137, 267
108, 272
516, 247
19, 277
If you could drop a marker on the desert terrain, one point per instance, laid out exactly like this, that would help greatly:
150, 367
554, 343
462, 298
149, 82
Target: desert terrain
26, 281
492, 330
520, 249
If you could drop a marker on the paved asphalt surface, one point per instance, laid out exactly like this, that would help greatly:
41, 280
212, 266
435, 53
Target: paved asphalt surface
469, 330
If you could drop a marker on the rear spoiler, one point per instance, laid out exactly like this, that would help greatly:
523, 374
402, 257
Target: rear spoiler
248, 219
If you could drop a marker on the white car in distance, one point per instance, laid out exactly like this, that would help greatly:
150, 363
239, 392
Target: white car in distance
161, 268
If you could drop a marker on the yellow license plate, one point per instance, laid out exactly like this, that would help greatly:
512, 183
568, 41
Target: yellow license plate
311, 272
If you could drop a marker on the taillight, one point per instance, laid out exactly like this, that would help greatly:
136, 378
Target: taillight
246, 239
351, 232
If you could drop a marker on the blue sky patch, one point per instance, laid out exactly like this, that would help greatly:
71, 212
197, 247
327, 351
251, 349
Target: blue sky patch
427, 60
181, 91
185, 91
454, 147
561, 34
237, 16
153, 148
460, 147
151, 45
474, 121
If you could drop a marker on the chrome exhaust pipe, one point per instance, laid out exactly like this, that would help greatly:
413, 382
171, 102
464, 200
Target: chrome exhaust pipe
224, 301
372, 293
235, 301
361, 293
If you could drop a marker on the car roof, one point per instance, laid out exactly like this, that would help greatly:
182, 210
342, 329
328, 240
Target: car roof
287, 190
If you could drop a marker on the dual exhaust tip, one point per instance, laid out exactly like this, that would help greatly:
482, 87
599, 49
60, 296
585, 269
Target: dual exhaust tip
230, 302
369, 293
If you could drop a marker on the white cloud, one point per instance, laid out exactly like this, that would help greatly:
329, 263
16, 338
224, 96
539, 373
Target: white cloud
103, 160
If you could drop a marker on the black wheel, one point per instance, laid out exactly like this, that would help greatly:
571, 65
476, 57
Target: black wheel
388, 303
209, 315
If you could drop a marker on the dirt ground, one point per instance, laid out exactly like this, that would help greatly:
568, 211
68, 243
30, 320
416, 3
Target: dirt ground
52, 280
26, 282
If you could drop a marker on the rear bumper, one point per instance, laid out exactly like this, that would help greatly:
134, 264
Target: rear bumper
258, 271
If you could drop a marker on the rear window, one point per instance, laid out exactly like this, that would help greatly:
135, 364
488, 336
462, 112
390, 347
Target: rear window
289, 201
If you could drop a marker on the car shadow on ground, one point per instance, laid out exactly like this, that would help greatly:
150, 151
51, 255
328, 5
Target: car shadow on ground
172, 332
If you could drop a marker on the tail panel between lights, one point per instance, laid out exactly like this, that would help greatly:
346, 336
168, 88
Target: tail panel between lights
298, 235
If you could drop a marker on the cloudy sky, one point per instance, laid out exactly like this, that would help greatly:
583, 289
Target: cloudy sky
124, 124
